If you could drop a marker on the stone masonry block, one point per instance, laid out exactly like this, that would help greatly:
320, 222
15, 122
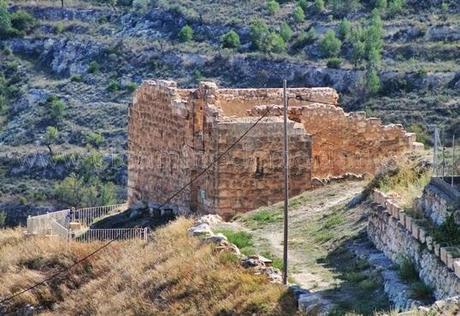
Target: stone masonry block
450, 260
421, 235
415, 229
409, 223
436, 248
443, 254
457, 267
402, 218
429, 242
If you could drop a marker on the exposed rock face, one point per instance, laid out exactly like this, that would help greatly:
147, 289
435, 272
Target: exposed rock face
175, 134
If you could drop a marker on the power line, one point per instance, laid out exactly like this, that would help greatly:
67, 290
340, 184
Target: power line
162, 205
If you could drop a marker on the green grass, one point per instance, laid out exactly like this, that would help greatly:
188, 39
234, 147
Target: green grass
266, 216
276, 261
243, 240
421, 291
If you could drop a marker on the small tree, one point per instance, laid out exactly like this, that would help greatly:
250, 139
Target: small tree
56, 109
286, 32
372, 81
319, 6
93, 67
303, 4
51, 136
259, 31
273, 7
345, 29
299, 15
186, 34
276, 43
330, 45
381, 4
231, 39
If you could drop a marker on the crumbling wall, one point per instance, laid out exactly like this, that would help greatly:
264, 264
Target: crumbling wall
160, 136
346, 142
251, 174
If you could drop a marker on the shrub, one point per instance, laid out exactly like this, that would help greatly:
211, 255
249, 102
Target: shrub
5, 19
231, 39
273, 6
286, 32
59, 27
197, 75
258, 31
22, 21
76, 78
303, 4
92, 164
421, 133
319, 6
345, 29
113, 86
275, 43
304, 38
330, 45
56, 109
372, 81
186, 34
374, 33
381, 4
396, 6
93, 67
407, 271
95, 139
343, 7
299, 15
131, 87
140, 4
50, 138
421, 291
334, 62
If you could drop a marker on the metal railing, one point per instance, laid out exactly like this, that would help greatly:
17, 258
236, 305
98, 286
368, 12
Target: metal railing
57, 224
41, 224
114, 234
86, 216
446, 159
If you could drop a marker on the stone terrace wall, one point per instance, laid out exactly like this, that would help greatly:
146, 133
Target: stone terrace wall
251, 175
160, 135
346, 142
397, 234
439, 199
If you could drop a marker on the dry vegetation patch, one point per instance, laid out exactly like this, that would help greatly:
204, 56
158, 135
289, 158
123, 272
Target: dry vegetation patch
174, 274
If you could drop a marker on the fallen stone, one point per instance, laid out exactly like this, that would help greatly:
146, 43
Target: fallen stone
201, 230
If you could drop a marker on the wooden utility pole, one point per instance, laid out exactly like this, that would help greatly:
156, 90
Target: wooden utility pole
286, 181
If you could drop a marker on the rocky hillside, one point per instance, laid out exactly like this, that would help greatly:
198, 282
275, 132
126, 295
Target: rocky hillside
68, 76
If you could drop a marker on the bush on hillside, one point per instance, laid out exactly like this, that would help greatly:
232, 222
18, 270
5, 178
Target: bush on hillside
330, 45
56, 108
286, 32
93, 67
186, 34
5, 19
319, 6
303, 4
304, 39
345, 29
298, 14
258, 32
396, 6
22, 21
264, 40
273, 6
94, 139
231, 39
334, 62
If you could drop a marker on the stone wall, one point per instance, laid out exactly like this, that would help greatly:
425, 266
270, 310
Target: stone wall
159, 155
399, 235
251, 175
439, 200
346, 142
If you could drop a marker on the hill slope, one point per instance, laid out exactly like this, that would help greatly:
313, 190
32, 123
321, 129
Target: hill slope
76, 69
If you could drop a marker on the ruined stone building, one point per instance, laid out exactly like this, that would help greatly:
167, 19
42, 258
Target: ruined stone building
174, 134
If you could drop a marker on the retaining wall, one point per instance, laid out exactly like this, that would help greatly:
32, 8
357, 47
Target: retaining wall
399, 235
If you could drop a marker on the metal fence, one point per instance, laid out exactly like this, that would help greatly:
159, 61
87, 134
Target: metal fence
57, 224
87, 216
446, 158
114, 234
42, 224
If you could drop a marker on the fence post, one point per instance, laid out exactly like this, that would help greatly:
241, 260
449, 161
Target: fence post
145, 233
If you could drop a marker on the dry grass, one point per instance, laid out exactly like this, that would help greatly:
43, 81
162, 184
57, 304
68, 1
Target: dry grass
408, 182
172, 275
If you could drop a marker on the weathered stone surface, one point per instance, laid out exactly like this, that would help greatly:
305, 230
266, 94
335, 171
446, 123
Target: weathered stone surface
202, 230
176, 135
